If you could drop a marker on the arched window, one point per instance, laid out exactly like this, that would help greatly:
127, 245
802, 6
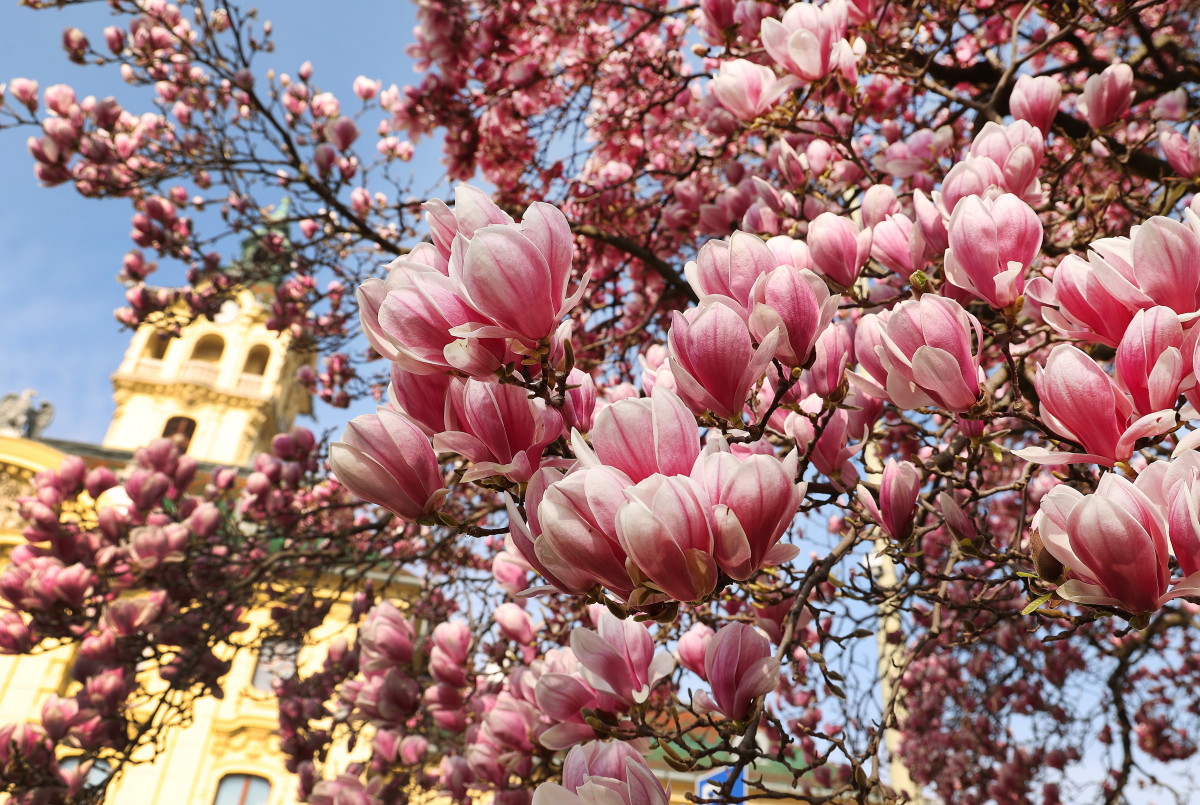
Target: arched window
209, 349
180, 430
243, 789
156, 346
276, 660
256, 360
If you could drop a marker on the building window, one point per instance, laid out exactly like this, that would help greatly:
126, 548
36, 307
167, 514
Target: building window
276, 662
209, 349
256, 360
179, 429
243, 789
156, 346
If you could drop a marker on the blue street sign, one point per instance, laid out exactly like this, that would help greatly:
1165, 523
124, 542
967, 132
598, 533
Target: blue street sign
709, 786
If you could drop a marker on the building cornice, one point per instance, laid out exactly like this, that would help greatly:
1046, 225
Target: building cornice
189, 391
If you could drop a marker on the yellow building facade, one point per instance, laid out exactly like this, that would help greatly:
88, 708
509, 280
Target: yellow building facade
223, 389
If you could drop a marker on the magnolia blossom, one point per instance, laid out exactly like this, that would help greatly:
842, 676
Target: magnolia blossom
928, 355
667, 530
992, 243
898, 490
1035, 99
713, 360
740, 668
646, 435
1114, 543
1150, 362
1018, 149
499, 428
805, 41
798, 304
755, 499
578, 516
1081, 402
747, 89
730, 268
840, 248
1182, 152
517, 276
619, 658
385, 459
593, 775
1107, 97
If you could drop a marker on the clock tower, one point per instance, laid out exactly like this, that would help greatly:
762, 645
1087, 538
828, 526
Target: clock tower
222, 388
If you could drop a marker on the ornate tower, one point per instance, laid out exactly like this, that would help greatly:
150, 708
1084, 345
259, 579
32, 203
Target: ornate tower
223, 388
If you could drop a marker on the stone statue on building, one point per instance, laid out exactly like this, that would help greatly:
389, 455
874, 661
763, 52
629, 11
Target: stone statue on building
21, 418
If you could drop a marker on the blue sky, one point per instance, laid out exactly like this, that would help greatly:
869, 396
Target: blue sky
61, 252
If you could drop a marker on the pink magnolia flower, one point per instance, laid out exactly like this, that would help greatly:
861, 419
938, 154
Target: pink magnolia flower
928, 354
730, 268
754, 500
499, 428
1150, 363
578, 517
931, 219
599, 759
973, 176
1181, 485
840, 248
514, 622
1165, 258
832, 453
879, 201
798, 304
580, 397
385, 639
805, 41
740, 668
642, 436
526, 537
1107, 97
385, 459
1036, 99
1182, 152
341, 132
409, 320
898, 490
1081, 402
561, 695
832, 355
1018, 149
666, 528
619, 658
747, 89
473, 210
790, 252
1081, 303
420, 397
898, 244
365, 88
517, 275
450, 653
992, 243
634, 783
1114, 542
713, 360
692, 648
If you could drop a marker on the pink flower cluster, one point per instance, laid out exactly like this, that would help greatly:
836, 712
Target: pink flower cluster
1113, 546
645, 512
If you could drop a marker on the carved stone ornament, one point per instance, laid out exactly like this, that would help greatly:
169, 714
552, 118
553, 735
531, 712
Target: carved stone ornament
19, 416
